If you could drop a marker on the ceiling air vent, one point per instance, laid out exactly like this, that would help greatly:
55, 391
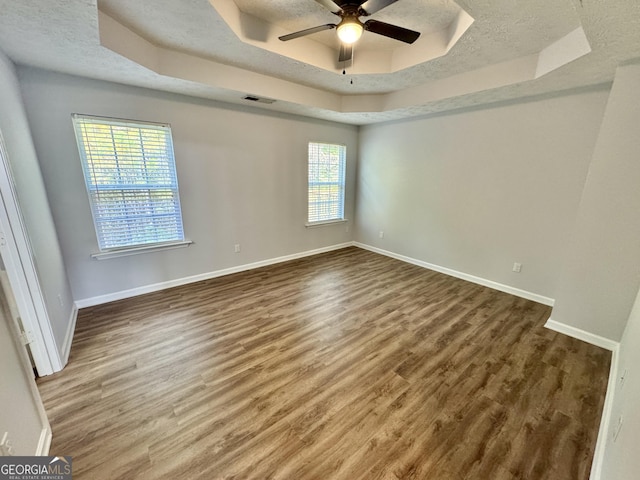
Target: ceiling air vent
253, 98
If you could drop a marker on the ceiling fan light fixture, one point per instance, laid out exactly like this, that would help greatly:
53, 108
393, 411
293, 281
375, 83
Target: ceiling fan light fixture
350, 30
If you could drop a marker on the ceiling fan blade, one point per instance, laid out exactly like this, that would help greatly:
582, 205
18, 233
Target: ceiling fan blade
307, 31
392, 31
372, 6
346, 53
333, 7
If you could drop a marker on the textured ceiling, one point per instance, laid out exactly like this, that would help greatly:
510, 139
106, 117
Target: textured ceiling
65, 36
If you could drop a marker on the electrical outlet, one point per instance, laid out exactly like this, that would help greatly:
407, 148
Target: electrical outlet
236, 248
618, 427
60, 301
517, 267
381, 234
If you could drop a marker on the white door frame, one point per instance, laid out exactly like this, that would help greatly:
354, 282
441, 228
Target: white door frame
44, 442
18, 258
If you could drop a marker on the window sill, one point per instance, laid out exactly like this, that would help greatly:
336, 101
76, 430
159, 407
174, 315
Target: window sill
326, 222
125, 252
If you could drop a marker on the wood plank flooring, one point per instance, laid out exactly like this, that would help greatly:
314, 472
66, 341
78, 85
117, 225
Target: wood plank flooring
347, 365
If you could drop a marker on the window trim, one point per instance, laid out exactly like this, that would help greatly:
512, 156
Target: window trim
325, 222
129, 249
329, 221
152, 247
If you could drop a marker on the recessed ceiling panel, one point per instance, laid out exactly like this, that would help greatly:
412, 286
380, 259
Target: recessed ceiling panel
441, 24
424, 16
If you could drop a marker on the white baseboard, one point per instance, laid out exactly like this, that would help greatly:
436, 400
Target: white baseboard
464, 276
44, 443
133, 292
583, 335
605, 421
68, 338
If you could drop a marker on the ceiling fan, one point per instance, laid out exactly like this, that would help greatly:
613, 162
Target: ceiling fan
350, 27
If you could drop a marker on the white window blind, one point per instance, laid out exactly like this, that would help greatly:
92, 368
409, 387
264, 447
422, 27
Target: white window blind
130, 174
326, 182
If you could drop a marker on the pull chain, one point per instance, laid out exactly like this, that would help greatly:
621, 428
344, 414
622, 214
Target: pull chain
344, 70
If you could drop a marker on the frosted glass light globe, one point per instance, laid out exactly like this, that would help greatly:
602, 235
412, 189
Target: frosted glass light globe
349, 32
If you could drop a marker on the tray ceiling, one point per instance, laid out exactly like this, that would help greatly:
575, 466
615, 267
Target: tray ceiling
224, 50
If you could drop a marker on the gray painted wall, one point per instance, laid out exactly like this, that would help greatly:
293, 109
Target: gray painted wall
242, 174
601, 271
477, 191
599, 281
21, 411
621, 460
34, 205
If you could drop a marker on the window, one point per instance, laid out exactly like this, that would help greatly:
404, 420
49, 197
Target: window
130, 175
326, 182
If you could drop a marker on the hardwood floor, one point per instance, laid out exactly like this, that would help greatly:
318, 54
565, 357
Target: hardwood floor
347, 365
